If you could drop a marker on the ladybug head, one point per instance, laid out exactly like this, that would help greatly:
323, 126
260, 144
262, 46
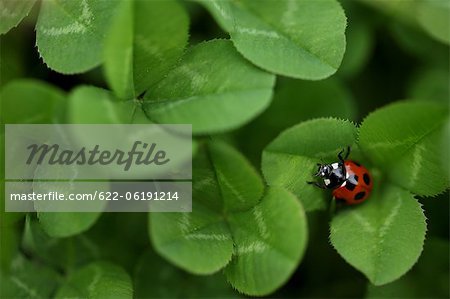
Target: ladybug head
324, 170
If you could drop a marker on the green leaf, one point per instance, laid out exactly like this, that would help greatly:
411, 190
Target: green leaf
131, 238
295, 101
97, 280
401, 288
64, 224
28, 279
382, 237
213, 88
360, 42
70, 34
434, 17
445, 148
31, 101
301, 39
93, 105
401, 139
418, 43
231, 220
270, 240
153, 284
12, 12
430, 85
240, 190
204, 231
64, 254
13, 57
290, 160
10, 240
428, 279
10, 224
10, 233
143, 45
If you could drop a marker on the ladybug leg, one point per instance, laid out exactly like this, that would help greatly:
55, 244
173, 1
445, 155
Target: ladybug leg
317, 185
318, 170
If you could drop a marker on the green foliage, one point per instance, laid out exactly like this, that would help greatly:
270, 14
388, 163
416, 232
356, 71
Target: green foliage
70, 34
93, 105
12, 12
10, 223
290, 160
430, 15
10, 232
232, 225
382, 238
433, 17
12, 56
187, 94
417, 43
28, 279
404, 140
188, 285
266, 33
267, 250
317, 98
401, 139
290, 107
429, 276
358, 49
431, 85
97, 280
138, 51
39, 103
213, 88
64, 224
168, 62
239, 191
64, 254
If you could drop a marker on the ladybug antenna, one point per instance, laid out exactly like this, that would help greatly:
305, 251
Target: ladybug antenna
346, 154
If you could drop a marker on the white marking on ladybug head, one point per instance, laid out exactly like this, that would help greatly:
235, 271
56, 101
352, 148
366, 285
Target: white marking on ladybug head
335, 165
327, 181
323, 171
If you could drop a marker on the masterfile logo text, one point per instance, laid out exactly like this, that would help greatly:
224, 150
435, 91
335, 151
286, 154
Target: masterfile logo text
86, 168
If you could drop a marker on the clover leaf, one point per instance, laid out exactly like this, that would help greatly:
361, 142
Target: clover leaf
142, 45
267, 33
258, 237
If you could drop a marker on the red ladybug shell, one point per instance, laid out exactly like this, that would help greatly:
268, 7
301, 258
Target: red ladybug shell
357, 185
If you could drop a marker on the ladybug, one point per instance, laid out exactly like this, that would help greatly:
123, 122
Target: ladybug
350, 181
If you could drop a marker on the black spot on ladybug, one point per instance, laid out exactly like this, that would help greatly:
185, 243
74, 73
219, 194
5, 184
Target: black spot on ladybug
350, 186
356, 178
366, 179
360, 195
